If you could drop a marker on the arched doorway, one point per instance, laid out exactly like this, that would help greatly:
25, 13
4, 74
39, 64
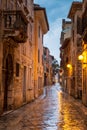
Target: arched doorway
8, 80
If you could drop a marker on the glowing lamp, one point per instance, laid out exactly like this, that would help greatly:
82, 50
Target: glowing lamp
69, 66
80, 57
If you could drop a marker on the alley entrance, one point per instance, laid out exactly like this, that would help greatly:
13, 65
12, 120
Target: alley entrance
54, 110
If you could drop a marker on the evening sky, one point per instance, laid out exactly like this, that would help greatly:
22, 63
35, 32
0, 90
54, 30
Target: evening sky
56, 11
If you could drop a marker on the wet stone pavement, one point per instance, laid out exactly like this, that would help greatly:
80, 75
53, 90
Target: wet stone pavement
55, 111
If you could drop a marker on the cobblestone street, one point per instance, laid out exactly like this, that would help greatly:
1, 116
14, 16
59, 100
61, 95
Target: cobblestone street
53, 111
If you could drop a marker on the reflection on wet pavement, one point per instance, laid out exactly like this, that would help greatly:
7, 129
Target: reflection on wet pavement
56, 111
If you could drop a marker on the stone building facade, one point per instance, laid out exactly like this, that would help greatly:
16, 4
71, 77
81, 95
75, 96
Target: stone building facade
41, 27
16, 69
66, 54
49, 73
78, 16
84, 52
75, 16
46, 66
17, 40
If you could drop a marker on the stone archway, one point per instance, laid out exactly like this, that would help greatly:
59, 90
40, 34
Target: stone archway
8, 80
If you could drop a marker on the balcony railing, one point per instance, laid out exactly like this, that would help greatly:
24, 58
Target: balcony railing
15, 25
23, 8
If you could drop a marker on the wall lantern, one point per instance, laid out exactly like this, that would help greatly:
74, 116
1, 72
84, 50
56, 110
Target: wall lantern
69, 66
80, 57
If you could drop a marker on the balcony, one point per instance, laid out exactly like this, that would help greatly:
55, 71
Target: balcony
15, 26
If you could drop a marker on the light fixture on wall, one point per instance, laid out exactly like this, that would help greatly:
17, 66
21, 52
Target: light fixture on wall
81, 58
69, 66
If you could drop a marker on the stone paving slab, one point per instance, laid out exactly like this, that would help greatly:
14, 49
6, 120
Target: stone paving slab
54, 110
81, 108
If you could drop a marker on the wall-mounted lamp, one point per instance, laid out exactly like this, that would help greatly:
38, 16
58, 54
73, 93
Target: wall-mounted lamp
81, 58
69, 66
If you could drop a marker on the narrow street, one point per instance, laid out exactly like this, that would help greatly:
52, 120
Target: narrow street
53, 111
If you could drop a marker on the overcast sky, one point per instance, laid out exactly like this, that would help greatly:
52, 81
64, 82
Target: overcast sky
56, 11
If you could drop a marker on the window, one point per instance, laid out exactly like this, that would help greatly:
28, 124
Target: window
84, 80
17, 69
73, 36
5, 21
30, 78
42, 38
42, 60
30, 32
39, 31
79, 25
10, 21
67, 59
39, 56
